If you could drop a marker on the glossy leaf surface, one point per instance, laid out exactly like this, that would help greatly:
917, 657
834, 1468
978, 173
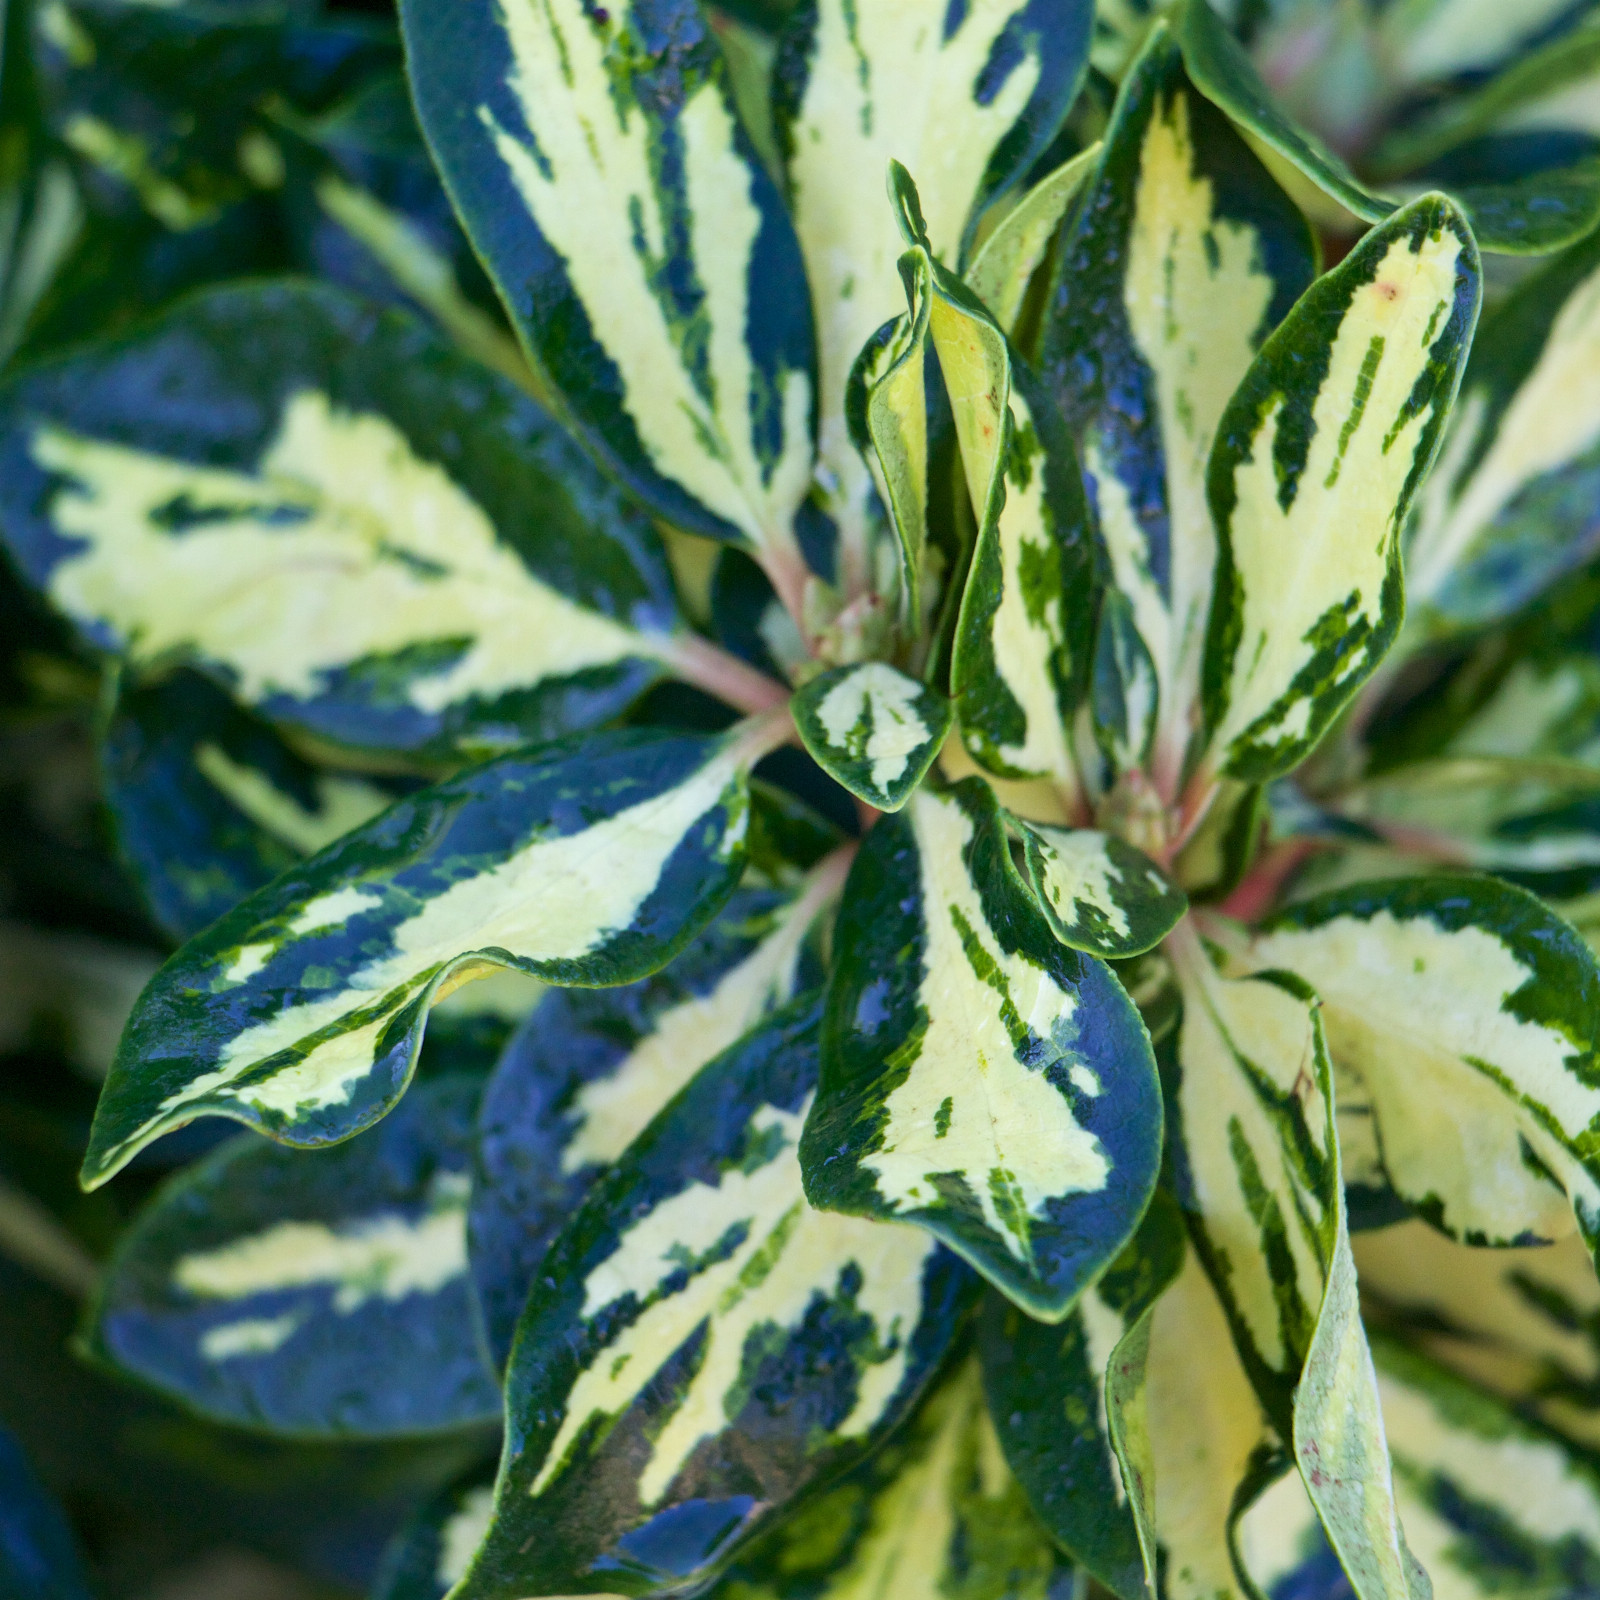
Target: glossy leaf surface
346, 524
979, 1078
301, 1011
1100, 894
701, 1346
321, 1296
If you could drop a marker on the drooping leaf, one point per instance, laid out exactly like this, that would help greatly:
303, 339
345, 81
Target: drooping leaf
1256, 1158
979, 1077
872, 729
588, 1070
38, 1558
701, 1346
1183, 256
1509, 510
1469, 1013
210, 804
1004, 267
975, 101
1313, 471
643, 252
1047, 1391
934, 1512
431, 1552
300, 1012
1022, 639
1543, 213
348, 525
1099, 893
1521, 1323
317, 1296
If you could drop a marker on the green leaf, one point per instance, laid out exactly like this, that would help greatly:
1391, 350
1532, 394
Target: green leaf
595, 157
1004, 267
587, 1072
1098, 892
975, 101
701, 1346
301, 1011
1181, 258
1522, 1324
934, 1512
1508, 510
979, 1078
1313, 471
1497, 1505
210, 804
432, 1551
1469, 1013
1125, 692
1545, 212
1256, 1158
475, 584
1047, 1391
320, 1298
1022, 639
872, 729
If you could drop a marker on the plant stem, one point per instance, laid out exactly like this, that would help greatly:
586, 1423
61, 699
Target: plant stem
721, 673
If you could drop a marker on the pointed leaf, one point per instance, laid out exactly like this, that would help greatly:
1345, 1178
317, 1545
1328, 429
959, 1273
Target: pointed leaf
701, 1346
1047, 1390
1002, 270
301, 1011
1470, 1014
349, 526
210, 804
643, 252
1098, 892
872, 729
1257, 1164
1183, 256
589, 1070
979, 1078
975, 100
935, 1512
319, 1297
1315, 464
1509, 509
1023, 634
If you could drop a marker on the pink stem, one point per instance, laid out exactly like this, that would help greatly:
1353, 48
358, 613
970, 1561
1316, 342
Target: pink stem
736, 683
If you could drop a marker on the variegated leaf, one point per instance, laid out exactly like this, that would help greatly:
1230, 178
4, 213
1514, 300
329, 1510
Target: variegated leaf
1495, 1504
872, 729
934, 1512
1509, 509
1222, 848
1313, 471
310, 1296
428, 1556
210, 804
975, 101
1521, 1323
1124, 690
1004, 267
596, 160
701, 1346
1047, 1391
301, 1011
1193, 1445
1098, 892
1022, 641
1256, 1159
589, 1069
1183, 256
1544, 212
347, 525
979, 1078
1469, 1013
